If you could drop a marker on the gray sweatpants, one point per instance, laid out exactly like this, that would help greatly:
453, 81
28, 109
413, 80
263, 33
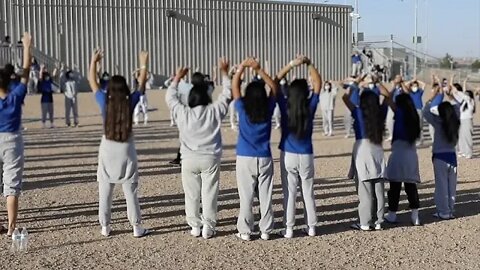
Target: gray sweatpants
297, 168
465, 138
431, 131
445, 187
255, 173
348, 123
327, 117
130, 191
200, 182
11, 163
47, 108
368, 191
71, 106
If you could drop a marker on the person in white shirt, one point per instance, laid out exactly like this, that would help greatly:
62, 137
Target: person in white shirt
327, 105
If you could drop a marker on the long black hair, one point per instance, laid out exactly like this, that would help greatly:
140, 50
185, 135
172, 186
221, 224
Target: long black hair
298, 108
372, 116
199, 94
411, 121
256, 102
4, 79
470, 94
450, 122
118, 117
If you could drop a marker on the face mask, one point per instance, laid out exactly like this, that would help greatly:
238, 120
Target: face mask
414, 89
283, 82
47, 78
327, 87
106, 78
350, 83
259, 77
371, 86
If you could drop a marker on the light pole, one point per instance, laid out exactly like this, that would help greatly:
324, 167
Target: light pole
355, 15
415, 39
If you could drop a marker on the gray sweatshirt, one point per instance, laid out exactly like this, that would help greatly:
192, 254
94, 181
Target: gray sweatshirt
440, 142
200, 127
71, 89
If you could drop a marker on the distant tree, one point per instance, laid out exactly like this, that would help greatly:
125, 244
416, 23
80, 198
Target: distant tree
447, 62
476, 65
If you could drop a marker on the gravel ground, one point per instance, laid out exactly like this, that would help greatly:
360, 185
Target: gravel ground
59, 207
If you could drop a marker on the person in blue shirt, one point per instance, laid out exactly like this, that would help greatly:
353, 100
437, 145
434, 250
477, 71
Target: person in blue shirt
357, 64
352, 85
117, 157
368, 155
446, 125
254, 165
298, 111
416, 89
403, 162
11, 141
45, 88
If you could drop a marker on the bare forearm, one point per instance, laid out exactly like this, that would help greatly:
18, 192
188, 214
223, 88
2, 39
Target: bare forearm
316, 78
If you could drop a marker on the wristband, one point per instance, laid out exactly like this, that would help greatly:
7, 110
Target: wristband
291, 64
143, 67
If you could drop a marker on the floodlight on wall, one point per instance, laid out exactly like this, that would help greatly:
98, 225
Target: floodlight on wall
171, 14
323, 19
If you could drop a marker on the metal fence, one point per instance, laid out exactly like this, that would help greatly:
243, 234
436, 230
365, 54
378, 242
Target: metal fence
183, 32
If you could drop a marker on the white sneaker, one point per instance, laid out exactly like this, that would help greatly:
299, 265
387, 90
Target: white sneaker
415, 218
139, 232
265, 236
330, 134
243, 236
196, 231
207, 233
106, 230
378, 227
145, 123
310, 231
347, 136
287, 233
234, 128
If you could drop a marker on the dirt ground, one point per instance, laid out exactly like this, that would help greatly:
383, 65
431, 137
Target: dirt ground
59, 207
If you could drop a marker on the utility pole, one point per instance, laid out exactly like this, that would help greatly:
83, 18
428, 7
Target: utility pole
358, 18
415, 40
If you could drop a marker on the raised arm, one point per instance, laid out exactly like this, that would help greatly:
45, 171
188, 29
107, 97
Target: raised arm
286, 69
142, 78
255, 65
92, 75
346, 99
27, 57
388, 96
237, 81
316, 77
42, 71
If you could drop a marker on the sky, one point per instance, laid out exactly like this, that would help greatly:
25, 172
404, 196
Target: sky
447, 26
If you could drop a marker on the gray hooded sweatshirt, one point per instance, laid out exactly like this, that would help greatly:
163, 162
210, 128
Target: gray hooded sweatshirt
200, 127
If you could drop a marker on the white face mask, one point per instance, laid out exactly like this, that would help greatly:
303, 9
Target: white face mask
259, 77
283, 82
371, 86
350, 83
414, 89
327, 87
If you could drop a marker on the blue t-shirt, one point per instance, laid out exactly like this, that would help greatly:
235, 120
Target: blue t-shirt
101, 98
11, 109
13, 85
354, 94
356, 59
417, 99
289, 142
254, 139
437, 100
45, 87
399, 132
